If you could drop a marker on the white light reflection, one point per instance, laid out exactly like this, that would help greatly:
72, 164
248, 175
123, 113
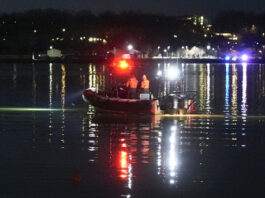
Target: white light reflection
63, 102
63, 86
234, 91
50, 102
208, 104
159, 73
244, 95
172, 155
227, 89
227, 94
244, 90
92, 136
50, 85
130, 173
159, 153
173, 128
126, 196
172, 73
202, 87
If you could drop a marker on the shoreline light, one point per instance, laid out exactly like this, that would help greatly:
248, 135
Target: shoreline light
244, 57
130, 47
227, 58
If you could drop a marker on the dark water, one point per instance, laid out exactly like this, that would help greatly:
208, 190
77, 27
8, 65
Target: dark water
67, 150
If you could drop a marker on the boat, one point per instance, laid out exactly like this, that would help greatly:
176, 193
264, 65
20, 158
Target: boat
115, 104
173, 104
114, 98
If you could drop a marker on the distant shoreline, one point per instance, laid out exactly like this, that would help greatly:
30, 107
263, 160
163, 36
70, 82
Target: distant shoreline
27, 59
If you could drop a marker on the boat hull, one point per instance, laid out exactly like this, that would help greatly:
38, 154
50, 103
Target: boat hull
120, 105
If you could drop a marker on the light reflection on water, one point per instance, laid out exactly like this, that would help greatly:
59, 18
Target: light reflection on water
127, 152
81, 153
218, 87
234, 105
130, 153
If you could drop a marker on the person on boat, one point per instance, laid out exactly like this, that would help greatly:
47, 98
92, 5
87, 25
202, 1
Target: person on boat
132, 86
145, 84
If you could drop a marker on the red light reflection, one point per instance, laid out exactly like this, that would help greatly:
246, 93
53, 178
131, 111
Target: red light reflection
123, 145
121, 159
124, 164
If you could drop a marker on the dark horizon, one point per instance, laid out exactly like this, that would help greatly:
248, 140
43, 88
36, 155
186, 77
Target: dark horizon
210, 17
170, 7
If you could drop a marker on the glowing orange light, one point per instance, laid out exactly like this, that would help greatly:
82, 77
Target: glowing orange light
123, 64
123, 154
124, 171
123, 160
123, 176
123, 164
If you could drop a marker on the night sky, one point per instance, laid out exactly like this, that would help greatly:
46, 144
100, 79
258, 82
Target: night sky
171, 7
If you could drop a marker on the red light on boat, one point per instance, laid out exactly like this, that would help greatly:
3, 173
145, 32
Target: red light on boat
123, 64
88, 92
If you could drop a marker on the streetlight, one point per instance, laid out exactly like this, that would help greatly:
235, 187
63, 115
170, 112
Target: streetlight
158, 47
129, 47
165, 50
168, 47
244, 57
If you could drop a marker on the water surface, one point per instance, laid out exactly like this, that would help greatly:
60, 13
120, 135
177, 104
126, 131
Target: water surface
76, 152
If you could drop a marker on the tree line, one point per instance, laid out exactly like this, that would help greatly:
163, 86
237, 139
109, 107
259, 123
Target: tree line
38, 29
